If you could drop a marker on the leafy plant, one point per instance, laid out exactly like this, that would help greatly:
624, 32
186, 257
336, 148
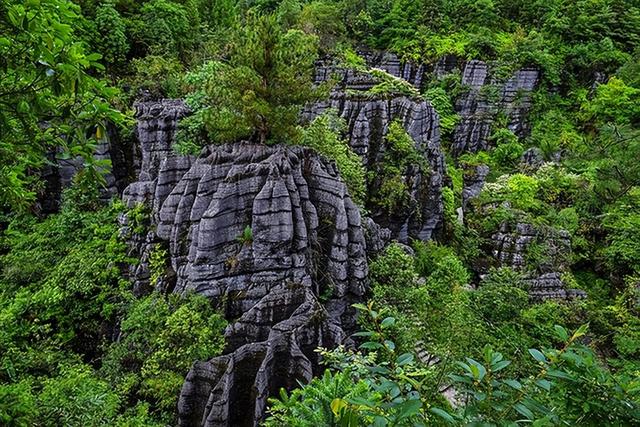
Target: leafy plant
246, 238
323, 135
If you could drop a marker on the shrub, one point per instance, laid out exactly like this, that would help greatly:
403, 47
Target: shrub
508, 150
160, 339
166, 27
500, 296
392, 192
159, 75
111, 39
323, 135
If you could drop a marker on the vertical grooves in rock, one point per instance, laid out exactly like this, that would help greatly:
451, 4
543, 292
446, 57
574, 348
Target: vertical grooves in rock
286, 288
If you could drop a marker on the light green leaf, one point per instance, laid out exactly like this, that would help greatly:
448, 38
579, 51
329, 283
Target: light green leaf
442, 414
537, 355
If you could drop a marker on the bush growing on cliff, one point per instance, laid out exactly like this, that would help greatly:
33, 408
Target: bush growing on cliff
324, 135
160, 339
259, 92
392, 192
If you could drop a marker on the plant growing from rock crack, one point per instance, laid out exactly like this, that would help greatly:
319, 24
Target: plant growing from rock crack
246, 238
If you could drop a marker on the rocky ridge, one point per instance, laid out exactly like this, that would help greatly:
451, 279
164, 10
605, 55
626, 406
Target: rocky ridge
368, 119
287, 283
271, 235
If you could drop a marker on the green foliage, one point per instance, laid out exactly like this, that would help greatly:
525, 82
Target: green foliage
392, 191
259, 93
160, 338
565, 385
110, 39
62, 294
320, 18
160, 76
442, 101
398, 385
508, 150
554, 130
501, 296
165, 27
519, 189
434, 310
323, 135
157, 264
246, 238
389, 86
47, 78
61, 274
321, 402
76, 398
542, 397
623, 223
250, 71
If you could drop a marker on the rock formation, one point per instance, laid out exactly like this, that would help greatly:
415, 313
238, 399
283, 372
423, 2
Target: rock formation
111, 152
484, 99
271, 234
541, 254
368, 119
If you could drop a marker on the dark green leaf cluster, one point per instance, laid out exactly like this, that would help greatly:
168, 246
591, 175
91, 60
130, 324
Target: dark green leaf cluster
64, 299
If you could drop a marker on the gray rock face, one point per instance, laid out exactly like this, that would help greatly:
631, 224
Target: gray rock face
386, 61
532, 159
286, 284
513, 248
368, 121
59, 173
473, 183
486, 97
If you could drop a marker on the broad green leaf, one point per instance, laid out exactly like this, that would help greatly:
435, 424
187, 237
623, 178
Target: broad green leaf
371, 345
561, 332
542, 383
409, 408
555, 373
582, 330
524, 411
537, 355
361, 401
513, 384
442, 414
500, 365
388, 321
404, 359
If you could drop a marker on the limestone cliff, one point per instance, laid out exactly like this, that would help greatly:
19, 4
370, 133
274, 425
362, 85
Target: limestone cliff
271, 234
368, 119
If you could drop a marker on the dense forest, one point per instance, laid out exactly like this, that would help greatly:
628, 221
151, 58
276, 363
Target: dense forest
365, 212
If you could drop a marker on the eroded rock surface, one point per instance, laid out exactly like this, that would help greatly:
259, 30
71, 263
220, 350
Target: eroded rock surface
272, 235
368, 119
484, 99
113, 157
542, 254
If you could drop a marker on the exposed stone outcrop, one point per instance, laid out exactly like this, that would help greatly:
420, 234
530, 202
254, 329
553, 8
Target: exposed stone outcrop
271, 234
386, 61
473, 183
532, 159
368, 119
485, 97
541, 254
